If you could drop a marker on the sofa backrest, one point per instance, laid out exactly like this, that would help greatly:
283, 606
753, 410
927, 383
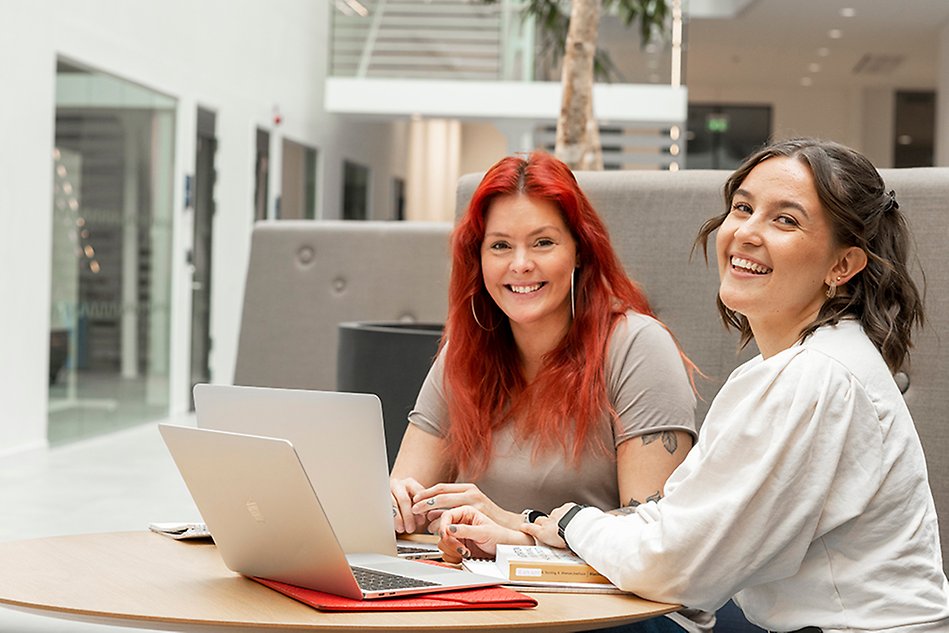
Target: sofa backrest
306, 277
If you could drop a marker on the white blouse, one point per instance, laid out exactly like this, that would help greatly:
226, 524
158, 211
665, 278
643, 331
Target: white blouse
806, 497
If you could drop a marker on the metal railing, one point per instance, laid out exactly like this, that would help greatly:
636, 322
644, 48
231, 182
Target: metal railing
478, 40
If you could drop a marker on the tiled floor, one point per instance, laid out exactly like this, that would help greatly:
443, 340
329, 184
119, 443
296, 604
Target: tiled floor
115, 482
90, 403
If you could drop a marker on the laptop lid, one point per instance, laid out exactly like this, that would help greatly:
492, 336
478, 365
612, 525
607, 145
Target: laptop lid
258, 503
339, 438
268, 521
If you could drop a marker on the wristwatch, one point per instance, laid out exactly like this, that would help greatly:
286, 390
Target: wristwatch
566, 518
532, 515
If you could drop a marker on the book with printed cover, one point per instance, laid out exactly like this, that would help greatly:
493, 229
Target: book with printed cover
541, 566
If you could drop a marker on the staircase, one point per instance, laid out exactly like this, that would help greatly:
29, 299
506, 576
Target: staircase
419, 39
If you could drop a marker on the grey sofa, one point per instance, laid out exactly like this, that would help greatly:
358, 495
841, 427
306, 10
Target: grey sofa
306, 277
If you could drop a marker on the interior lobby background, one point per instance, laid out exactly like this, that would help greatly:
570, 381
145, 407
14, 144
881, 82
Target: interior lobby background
247, 62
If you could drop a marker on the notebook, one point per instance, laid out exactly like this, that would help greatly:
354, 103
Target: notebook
327, 429
268, 522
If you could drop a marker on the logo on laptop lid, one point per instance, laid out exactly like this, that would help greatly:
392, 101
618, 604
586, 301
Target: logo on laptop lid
255, 511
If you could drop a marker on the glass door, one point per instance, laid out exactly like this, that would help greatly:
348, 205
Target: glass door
111, 261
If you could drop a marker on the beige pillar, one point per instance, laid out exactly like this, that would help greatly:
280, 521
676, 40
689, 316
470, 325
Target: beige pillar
433, 170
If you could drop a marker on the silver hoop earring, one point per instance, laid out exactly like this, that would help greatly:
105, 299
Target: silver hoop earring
573, 308
477, 320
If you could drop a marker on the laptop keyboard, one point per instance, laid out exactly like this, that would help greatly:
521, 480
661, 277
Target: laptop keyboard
408, 549
372, 580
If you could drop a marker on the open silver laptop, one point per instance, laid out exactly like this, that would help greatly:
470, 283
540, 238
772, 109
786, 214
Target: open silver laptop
268, 521
340, 439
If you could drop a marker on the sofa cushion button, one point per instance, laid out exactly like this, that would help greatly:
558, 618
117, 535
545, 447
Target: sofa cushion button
339, 284
305, 255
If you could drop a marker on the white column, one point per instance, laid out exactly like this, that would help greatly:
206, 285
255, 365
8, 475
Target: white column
26, 199
434, 158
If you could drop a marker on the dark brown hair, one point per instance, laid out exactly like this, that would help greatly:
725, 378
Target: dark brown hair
862, 213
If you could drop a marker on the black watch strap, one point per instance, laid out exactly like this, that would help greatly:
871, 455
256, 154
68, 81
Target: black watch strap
566, 518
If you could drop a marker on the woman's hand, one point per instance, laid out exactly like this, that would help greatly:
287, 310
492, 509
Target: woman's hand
466, 532
432, 502
403, 491
546, 530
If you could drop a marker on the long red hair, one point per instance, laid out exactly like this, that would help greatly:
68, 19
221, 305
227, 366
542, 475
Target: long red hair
484, 384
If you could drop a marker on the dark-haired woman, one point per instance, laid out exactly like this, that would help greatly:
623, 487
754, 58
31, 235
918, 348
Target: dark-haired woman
806, 495
554, 381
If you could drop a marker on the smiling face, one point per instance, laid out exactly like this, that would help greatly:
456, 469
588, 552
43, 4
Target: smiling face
527, 258
776, 252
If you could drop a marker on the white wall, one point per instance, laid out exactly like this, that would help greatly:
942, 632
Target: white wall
236, 59
879, 116
942, 99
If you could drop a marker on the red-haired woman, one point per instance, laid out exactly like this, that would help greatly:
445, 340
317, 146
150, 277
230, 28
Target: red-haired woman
554, 381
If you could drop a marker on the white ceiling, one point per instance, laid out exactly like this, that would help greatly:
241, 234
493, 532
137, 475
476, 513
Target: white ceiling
775, 42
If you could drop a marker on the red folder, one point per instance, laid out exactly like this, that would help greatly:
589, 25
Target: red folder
480, 598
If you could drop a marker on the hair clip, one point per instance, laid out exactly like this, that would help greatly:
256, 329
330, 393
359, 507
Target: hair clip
891, 204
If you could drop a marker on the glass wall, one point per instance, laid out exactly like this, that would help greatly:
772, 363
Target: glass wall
111, 256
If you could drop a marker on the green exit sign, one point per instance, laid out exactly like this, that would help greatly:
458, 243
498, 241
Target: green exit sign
717, 124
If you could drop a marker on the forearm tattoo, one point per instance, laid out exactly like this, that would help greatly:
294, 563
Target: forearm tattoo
669, 440
630, 507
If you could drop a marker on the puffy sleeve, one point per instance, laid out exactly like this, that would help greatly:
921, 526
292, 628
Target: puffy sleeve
791, 448
647, 381
430, 412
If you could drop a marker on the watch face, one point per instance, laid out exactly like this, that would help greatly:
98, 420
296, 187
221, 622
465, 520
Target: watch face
533, 515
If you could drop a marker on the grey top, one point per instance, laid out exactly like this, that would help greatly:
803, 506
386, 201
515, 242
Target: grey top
648, 387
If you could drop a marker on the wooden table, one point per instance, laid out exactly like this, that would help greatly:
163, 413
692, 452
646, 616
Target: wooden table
141, 579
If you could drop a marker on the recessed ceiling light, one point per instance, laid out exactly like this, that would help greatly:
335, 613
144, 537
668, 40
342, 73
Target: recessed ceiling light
835, 34
813, 67
823, 51
806, 81
848, 12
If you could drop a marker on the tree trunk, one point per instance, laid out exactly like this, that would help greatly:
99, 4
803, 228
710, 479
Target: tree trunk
578, 136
